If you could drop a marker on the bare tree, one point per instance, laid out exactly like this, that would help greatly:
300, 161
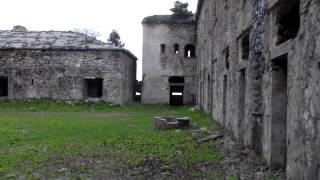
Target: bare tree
88, 33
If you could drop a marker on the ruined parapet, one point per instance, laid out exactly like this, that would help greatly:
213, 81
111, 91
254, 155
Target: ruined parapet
19, 37
168, 19
19, 28
164, 123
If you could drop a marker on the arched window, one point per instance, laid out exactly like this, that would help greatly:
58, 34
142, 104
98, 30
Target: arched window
176, 48
189, 51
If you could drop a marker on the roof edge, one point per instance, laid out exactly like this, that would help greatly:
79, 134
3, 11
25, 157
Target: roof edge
126, 51
168, 19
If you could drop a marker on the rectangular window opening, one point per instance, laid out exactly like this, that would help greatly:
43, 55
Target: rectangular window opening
176, 48
245, 46
163, 48
287, 20
226, 56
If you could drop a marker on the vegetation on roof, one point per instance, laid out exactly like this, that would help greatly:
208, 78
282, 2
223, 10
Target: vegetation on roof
180, 15
168, 19
181, 9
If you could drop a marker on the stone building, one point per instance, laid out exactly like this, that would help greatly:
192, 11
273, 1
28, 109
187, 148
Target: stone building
63, 66
169, 60
259, 76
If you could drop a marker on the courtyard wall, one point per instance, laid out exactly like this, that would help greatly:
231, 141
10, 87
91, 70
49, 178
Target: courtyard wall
258, 69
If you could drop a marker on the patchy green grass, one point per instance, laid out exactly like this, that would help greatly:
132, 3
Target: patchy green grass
216, 175
34, 132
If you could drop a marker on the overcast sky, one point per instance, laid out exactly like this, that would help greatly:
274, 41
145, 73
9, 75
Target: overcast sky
101, 15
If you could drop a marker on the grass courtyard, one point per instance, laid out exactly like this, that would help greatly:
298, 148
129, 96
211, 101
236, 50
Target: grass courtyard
43, 139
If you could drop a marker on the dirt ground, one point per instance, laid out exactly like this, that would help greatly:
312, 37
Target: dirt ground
242, 162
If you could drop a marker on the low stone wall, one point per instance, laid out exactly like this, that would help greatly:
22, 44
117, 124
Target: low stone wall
164, 123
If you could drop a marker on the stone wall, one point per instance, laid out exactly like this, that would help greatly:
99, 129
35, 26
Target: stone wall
159, 66
61, 74
266, 96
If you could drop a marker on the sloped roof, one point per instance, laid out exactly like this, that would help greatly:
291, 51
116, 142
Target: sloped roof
168, 19
21, 38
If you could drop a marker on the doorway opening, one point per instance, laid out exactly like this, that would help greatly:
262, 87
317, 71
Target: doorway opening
3, 86
279, 113
137, 89
242, 102
209, 91
224, 104
94, 87
176, 90
201, 93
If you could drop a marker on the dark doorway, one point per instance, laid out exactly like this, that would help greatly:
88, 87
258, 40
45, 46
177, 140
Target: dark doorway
279, 113
209, 91
176, 95
94, 88
242, 103
176, 90
224, 105
137, 89
201, 93
3, 86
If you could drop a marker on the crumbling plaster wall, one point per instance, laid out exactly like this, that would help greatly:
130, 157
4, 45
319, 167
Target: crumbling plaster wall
159, 67
220, 25
60, 74
303, 110
303, 125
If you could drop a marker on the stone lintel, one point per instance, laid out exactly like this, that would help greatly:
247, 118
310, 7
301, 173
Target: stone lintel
281, 49
272, 4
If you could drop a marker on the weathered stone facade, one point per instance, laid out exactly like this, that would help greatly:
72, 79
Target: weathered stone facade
64, 66
259, 76
169, 63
